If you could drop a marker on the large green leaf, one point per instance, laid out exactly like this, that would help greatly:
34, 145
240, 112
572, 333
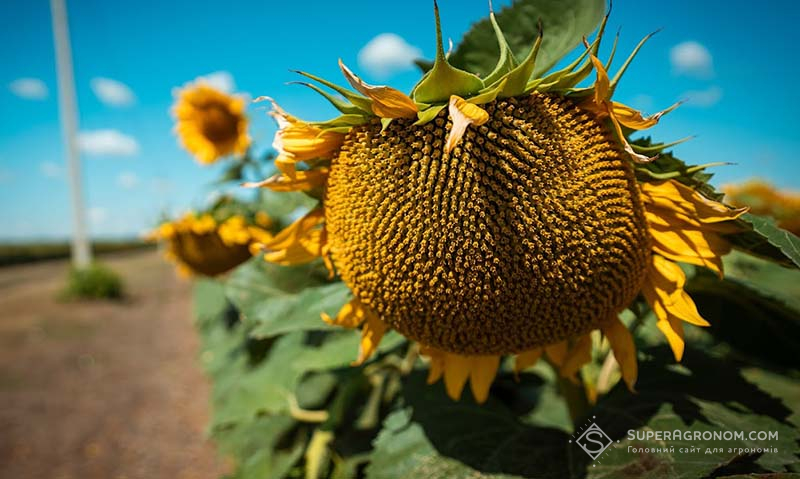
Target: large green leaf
255, 447
435, 437
749, 317
208, 301
768, 240
565, 23
706, 394
279, 299
431, 436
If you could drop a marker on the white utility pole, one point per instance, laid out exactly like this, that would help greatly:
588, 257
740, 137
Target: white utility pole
67, 107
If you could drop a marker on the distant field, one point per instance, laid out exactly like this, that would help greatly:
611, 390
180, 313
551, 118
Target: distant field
30, 252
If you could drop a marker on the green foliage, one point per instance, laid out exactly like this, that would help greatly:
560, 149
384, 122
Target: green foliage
565, 23
272, 382
93, 282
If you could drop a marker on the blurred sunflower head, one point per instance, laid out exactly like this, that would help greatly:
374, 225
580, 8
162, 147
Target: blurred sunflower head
765, 199
204, 246
210, 124
493, 216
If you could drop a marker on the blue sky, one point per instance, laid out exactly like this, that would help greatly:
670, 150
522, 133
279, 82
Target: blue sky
732, 60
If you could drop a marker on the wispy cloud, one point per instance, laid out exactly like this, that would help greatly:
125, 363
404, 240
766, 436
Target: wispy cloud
220, 80
51, 169
692, 59
97, 215
128, 180
387, 54
112, 92
703, 98
29, 88
107, 143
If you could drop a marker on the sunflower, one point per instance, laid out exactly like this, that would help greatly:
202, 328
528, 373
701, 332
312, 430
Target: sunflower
201, 245
765, 199
210, 123
495, 216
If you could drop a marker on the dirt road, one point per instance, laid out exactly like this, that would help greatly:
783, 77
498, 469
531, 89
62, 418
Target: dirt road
101, 390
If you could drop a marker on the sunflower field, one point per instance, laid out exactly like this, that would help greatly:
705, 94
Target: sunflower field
495, 274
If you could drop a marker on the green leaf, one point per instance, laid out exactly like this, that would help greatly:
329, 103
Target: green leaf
768, 240
208, 301
565, 24
704, 395
254, 447
434, 437
244, 391
764, 327
279, 299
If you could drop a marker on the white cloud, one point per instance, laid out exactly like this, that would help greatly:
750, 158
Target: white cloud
128, 180
220, 80
51, 169
692, 59
386, 54
29, 88
97, 215
107, 143
112, 93
703, 98
162, 186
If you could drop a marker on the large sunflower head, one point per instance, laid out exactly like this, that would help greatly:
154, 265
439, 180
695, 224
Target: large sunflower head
205, 245
499, 215
211, 124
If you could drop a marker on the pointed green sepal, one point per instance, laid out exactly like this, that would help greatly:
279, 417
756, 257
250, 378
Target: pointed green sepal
427, 115
507, 62
659, 147
443, 79
618, 76
488, 94
568, 77
342, 105
516, 81
361, 102
348, 120
385, 123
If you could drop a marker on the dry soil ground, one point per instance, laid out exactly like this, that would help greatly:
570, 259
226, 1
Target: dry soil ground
101, 390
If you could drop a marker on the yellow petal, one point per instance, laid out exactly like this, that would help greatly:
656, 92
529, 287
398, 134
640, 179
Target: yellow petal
633, 119
556, 352
527, 359
664, 286
387, 102
672, 329
456, 372
623, 348
371, 334
298, 229
482, 373
299, 181
300, 242
351, 315
578, 355
601, 84
436, 366
637, 157
675, 196
462, 115
693, 246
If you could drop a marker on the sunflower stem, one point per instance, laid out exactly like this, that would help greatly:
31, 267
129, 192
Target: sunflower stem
575, 396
